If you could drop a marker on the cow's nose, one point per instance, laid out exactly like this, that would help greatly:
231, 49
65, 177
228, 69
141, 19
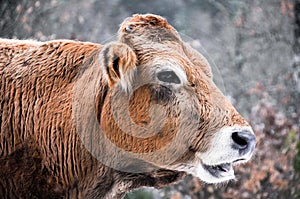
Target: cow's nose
243, 141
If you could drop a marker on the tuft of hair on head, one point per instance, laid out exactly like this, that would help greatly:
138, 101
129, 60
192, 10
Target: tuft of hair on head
144, 20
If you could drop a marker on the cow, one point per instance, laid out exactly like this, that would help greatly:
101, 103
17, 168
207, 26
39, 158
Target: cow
84, 120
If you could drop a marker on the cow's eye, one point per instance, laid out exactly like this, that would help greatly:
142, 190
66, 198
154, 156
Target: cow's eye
168, 77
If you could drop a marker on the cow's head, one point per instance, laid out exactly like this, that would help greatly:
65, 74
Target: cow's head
162, 109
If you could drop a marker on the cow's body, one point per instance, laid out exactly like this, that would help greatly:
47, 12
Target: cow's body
43, 149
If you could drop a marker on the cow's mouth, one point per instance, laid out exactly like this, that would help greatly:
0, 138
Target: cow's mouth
221, 170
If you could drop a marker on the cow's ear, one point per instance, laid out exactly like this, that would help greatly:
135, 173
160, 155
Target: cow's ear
118, 62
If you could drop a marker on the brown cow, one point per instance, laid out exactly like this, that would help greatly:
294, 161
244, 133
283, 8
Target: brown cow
81, 120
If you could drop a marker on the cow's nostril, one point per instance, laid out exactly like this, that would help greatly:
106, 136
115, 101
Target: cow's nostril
243, 141
239, 141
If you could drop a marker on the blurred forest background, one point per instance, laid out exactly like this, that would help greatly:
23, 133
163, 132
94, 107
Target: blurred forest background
254, 49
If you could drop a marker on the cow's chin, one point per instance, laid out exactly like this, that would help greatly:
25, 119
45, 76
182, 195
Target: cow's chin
215, 173
211, 173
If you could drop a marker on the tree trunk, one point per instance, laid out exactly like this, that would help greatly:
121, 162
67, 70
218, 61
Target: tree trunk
296, 61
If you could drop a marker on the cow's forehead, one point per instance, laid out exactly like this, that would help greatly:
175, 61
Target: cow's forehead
155, 40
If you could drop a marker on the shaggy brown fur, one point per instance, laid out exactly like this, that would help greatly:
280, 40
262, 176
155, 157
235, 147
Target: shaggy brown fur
41, 152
